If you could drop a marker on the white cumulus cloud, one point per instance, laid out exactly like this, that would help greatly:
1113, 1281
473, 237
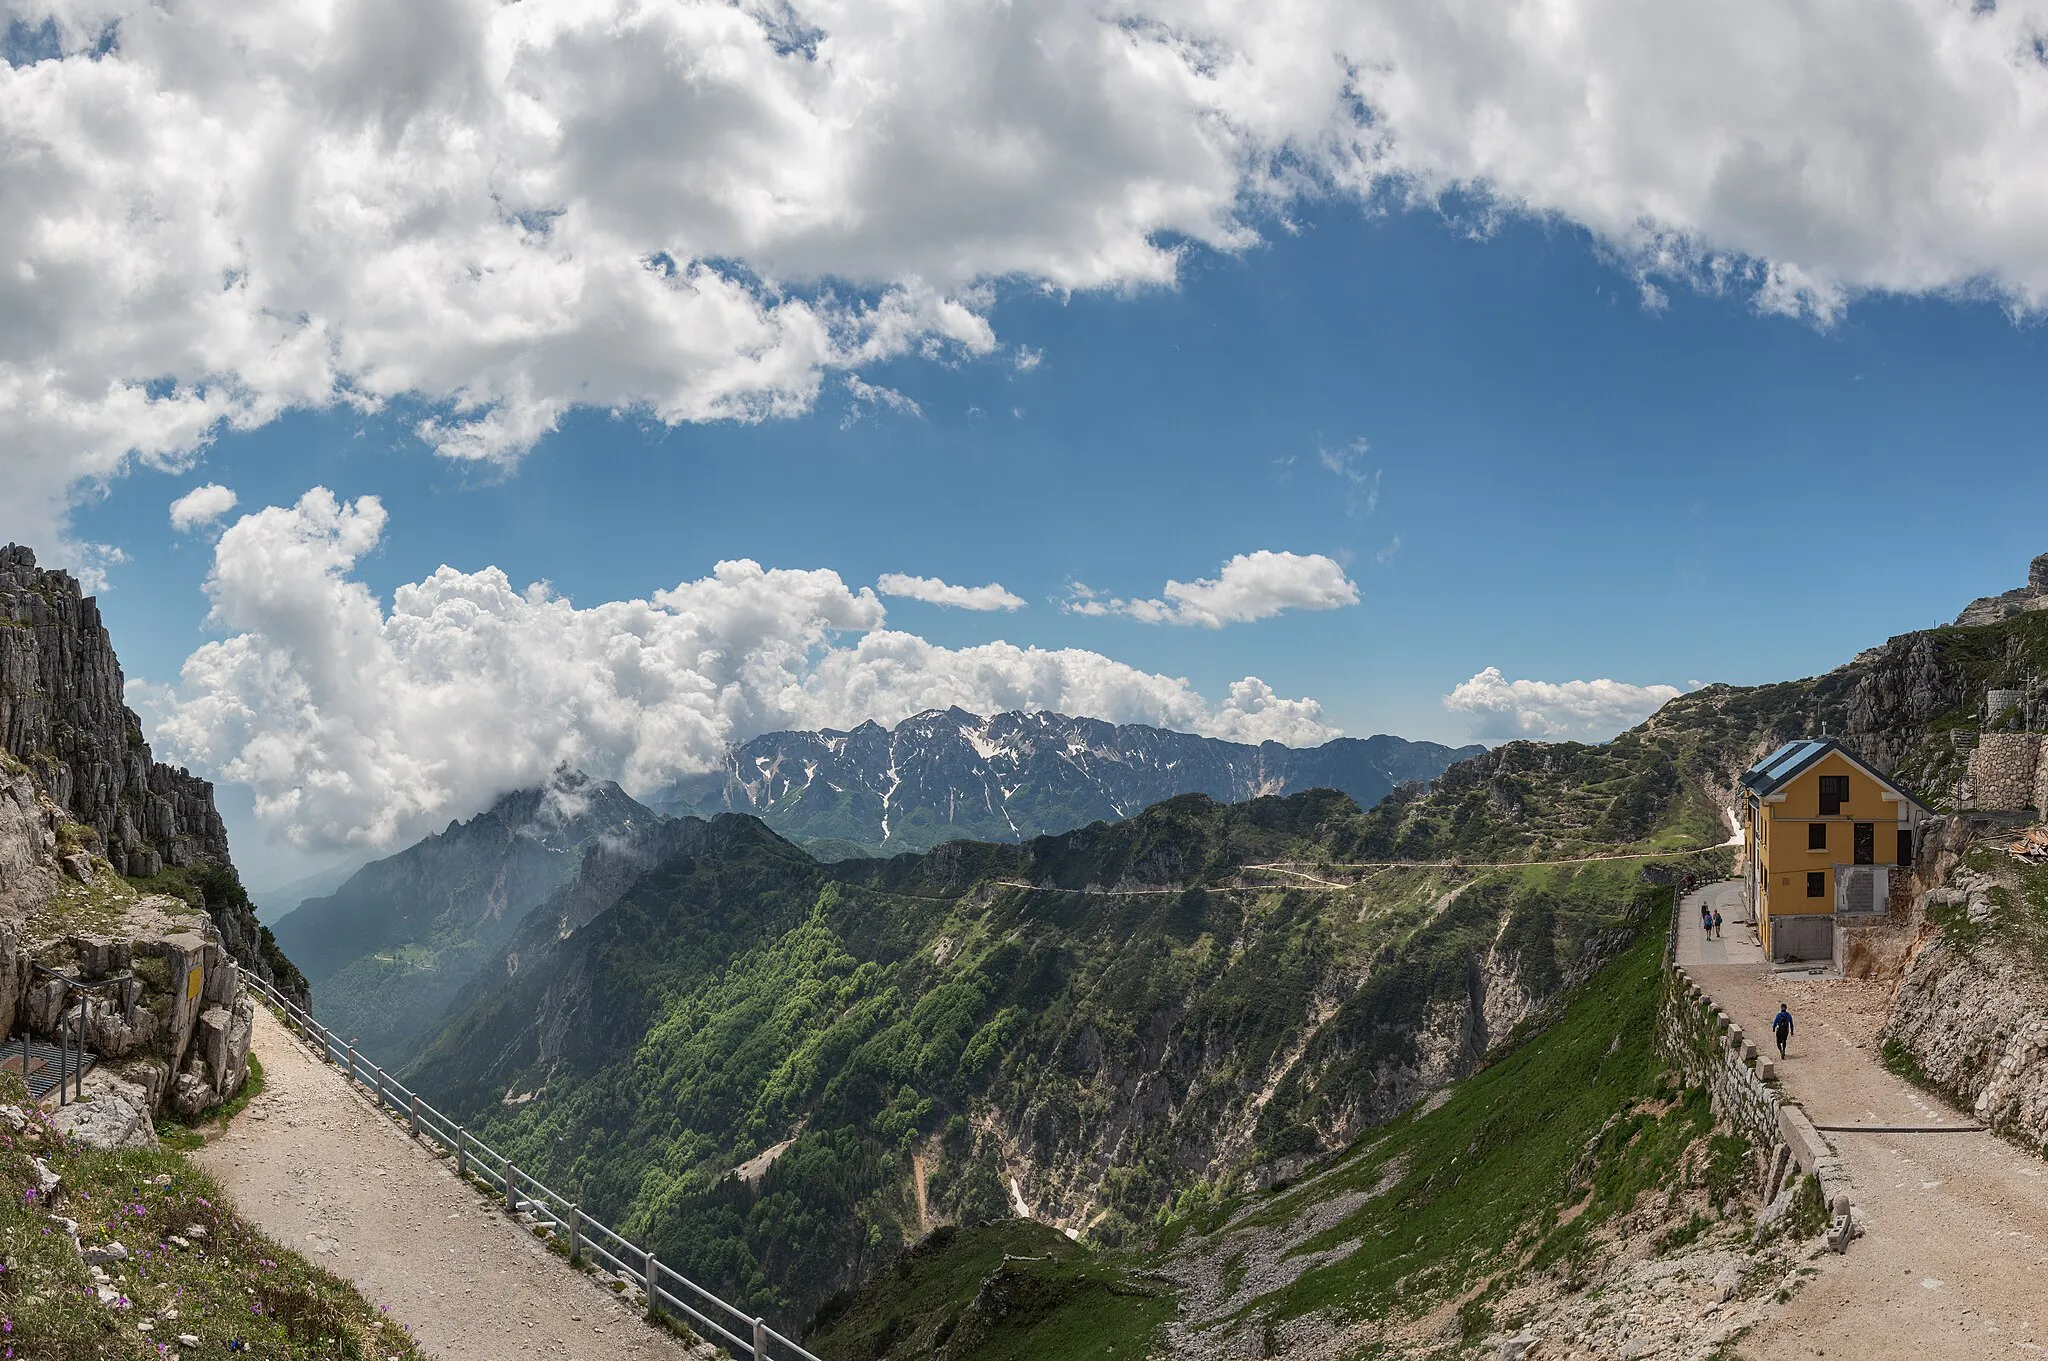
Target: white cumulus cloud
360, 723
201, 506
1587, 709
933, 591
216, 211
1251, 586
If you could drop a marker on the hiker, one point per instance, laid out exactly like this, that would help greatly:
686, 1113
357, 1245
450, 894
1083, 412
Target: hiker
1781, 1026
1706, 919
1717, 924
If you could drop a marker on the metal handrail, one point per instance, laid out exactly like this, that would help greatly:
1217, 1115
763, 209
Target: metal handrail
664, 1286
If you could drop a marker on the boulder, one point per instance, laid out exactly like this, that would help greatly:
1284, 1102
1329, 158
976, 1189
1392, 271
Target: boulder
115, 1113
192, 1094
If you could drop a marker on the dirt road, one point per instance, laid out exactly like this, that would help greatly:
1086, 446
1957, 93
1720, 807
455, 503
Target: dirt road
1954, 1259
314, 1166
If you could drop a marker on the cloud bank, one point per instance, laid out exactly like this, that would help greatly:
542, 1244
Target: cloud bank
933, 591
1593, 710
361, 725
1251, 586
215, 211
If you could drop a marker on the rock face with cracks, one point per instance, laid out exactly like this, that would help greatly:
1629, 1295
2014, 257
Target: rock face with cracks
81, 796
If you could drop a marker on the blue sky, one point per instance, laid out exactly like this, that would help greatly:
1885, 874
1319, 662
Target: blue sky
1575, 480
1426, 354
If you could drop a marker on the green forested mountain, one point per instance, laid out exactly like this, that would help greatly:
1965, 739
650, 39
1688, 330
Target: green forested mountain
1529, 1171
1089, 1026
388, 950
780, 1072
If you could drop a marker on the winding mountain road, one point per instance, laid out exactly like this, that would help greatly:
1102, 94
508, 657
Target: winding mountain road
1954, 1258
313, 1164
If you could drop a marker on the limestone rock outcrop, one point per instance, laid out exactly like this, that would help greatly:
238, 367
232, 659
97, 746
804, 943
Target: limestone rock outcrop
1992, 608
68, 739
1975, 1021
157, 996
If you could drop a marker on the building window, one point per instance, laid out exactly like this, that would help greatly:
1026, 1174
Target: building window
1816, 836
1817, 884
1834, 792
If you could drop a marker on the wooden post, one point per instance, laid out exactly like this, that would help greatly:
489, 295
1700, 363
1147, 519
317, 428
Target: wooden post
511, 1191
760, 1340
651, 1277
351, 1063
575, 1235
462, 1152
414, 1115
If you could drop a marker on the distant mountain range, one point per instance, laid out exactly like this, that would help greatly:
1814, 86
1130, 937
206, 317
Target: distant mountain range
388, 950
948, 775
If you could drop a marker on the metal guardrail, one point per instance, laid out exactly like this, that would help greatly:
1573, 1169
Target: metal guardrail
747, 1337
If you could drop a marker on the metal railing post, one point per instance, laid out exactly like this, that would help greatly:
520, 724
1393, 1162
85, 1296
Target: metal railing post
351, 1063
462, 1152
575, 1236
511, 1190
650, 1276
414, 1115
760, 1339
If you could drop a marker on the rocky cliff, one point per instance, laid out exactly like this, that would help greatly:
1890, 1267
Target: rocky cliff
61, 714
1969, 955
948, 774
63, 719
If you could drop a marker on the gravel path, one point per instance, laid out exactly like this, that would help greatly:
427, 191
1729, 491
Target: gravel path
312, 1164
1954, 1259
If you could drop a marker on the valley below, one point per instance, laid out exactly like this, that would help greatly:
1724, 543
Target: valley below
1268, 1074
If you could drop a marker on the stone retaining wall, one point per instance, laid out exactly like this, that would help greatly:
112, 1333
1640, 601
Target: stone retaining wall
2006, 771
1710, 1050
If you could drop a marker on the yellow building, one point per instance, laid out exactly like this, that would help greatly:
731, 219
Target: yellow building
1822, 835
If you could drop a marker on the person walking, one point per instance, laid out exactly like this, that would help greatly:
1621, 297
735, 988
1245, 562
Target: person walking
1717, 924
1781, 1026
1706, 919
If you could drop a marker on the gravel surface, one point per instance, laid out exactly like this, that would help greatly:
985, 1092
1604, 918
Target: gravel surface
1954, 1258
315, 1166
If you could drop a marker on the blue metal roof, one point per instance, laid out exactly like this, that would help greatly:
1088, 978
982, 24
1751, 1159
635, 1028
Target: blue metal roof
1781, 765
1772, 771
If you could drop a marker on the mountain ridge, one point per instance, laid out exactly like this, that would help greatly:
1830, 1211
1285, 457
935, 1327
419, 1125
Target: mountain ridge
395, 942
947, 774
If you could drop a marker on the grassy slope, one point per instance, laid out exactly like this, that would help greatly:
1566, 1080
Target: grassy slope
874, 1014
1518, 1170
1007, 1291
233, 1288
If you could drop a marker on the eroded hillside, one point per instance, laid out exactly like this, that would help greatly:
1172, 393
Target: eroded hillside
1088, 1028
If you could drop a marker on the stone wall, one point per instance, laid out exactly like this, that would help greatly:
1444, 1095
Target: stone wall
2005, 771
1709, 1049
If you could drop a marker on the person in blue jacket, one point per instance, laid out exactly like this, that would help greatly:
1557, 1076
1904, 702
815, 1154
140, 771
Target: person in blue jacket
1781, 1026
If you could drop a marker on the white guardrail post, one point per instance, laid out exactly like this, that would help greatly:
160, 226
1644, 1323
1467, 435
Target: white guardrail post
570, 1219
